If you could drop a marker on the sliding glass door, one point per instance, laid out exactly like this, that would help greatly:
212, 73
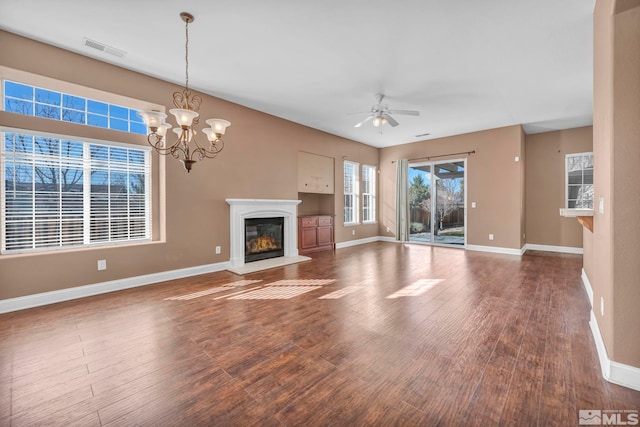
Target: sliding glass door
437, 202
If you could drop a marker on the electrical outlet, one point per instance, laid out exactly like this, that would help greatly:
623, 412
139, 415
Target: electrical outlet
473, 205
353, 232
102, 264
490, 236
388, 230
218, 250
601, 306
601, 205
517, 158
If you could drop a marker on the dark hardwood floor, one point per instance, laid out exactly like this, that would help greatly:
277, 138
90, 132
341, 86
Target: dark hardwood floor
416, 335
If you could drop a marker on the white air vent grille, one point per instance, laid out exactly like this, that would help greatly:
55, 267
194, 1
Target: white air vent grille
104, 48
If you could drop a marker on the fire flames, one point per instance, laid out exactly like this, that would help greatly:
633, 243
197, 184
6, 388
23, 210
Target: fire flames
261, 244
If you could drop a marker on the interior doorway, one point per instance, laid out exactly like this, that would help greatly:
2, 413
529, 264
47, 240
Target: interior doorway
437, 202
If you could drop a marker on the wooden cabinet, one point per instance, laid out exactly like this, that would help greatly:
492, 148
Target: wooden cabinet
315, 233
315, 173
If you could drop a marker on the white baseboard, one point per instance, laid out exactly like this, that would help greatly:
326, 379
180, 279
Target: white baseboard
587, 286
37, 300
358, 242
496, 250
549, 248
614, 372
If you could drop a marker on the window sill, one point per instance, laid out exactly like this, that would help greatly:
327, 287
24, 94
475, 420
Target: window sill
584, 216
572, 213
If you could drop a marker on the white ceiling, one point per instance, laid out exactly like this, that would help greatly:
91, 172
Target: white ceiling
465, 65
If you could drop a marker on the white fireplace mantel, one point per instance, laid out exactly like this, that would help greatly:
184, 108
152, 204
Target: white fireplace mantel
242, 209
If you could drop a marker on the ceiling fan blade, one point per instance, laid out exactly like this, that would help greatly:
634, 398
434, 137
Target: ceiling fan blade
404, 112
390, 120
363, 122
359, 112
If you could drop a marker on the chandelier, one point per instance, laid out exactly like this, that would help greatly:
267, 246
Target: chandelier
186, 148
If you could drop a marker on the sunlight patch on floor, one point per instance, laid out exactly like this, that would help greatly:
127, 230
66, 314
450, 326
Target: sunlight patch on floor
416, 288
276, 292
341, 292
303, 282
210, 291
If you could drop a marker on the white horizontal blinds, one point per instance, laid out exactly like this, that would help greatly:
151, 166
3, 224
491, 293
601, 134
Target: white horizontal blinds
118, 205
350, 192
368, 193
43, 192
49, 193
579, 170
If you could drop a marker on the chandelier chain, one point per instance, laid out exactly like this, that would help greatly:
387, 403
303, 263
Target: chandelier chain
186, 53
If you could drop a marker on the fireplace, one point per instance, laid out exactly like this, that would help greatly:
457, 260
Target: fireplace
244, 209
264, 238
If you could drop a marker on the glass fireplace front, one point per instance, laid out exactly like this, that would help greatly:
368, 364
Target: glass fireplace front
264, 238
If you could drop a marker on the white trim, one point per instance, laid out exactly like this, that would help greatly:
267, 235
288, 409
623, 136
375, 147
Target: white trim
496, 250
587, 286
241, 209
360, 242
550, 248
37, 300
388, 239
614, 372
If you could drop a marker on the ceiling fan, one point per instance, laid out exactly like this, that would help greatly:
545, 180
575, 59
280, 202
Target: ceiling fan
380, 114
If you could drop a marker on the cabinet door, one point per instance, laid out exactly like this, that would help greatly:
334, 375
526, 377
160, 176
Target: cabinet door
309, 238
315, 173
325, 235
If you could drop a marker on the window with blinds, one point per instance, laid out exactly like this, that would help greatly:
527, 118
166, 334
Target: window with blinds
351, 192
62, 193
368, 193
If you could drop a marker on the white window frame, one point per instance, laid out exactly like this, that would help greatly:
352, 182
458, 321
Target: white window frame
87, 165
351, 180
567, 186
155, 200
369, 174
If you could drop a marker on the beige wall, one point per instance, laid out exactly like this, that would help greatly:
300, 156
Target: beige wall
612, 254
259, 161
494, 182
545, 186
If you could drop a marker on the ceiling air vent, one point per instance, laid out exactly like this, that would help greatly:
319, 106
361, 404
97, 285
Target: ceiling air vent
104, 48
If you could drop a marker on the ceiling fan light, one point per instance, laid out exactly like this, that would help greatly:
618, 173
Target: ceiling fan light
383, 121
184, 117
377, 121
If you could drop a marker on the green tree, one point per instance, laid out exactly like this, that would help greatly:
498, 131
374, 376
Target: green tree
419, 191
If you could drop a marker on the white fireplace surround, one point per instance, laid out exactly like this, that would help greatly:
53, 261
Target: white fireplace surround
242, 209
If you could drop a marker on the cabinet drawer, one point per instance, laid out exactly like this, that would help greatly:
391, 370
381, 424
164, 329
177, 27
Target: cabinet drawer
325, 220
310, 222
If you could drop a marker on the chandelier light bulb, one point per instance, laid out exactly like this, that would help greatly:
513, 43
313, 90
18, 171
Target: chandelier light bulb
153, 119
219, 126
162, 129
184, 117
